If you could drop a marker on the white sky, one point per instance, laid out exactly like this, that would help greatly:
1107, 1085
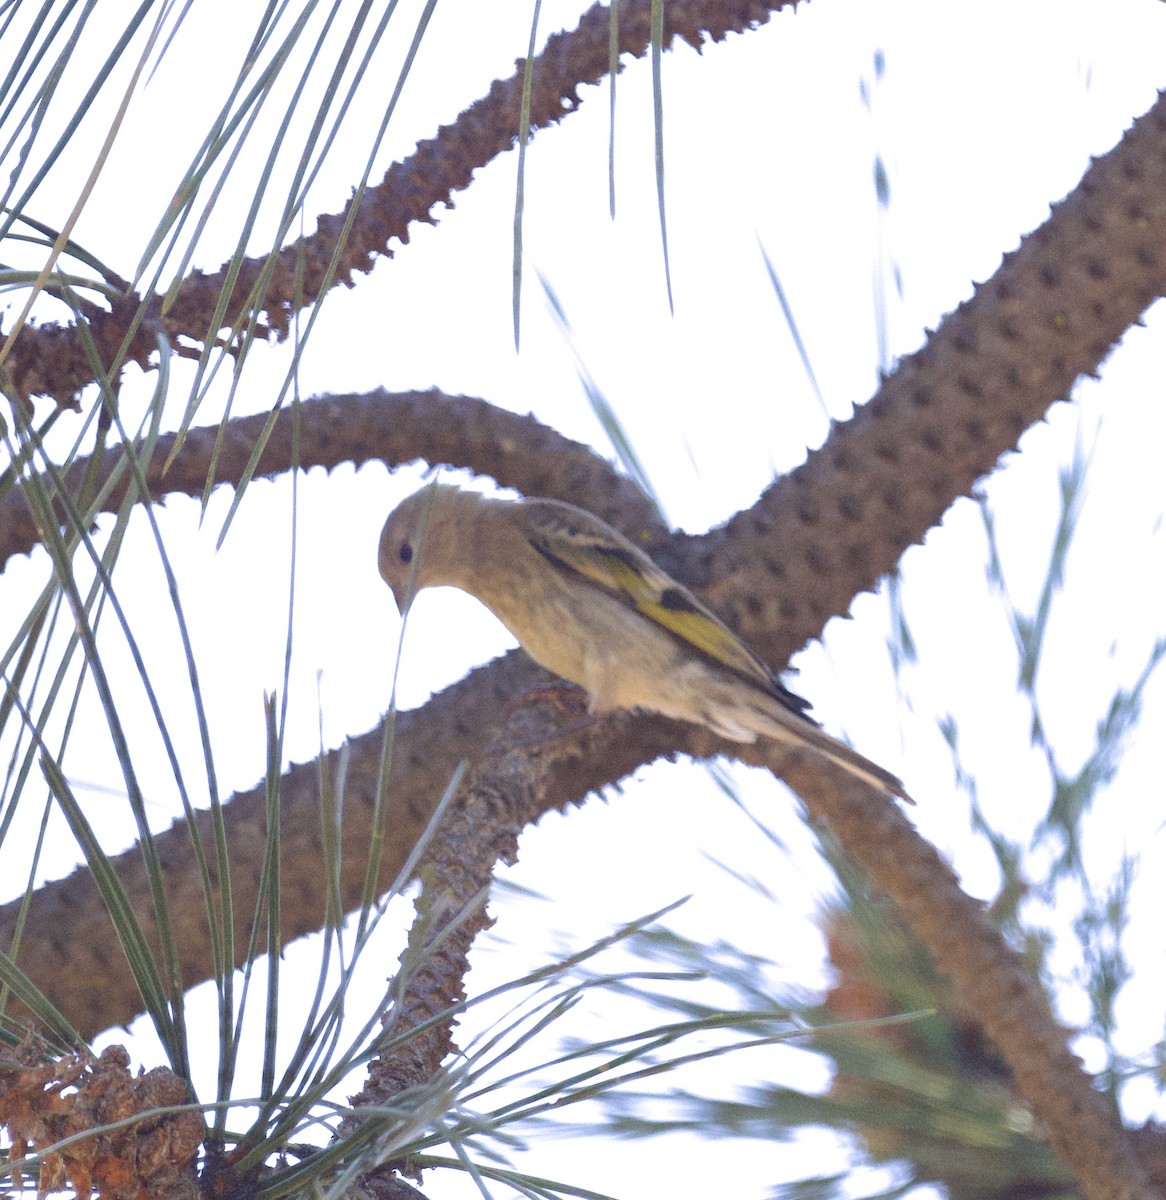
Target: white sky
986, 113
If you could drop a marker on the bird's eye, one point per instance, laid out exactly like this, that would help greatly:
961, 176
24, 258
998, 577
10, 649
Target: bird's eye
406, 552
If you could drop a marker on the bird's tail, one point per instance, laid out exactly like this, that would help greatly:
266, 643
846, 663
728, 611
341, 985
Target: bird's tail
778, 722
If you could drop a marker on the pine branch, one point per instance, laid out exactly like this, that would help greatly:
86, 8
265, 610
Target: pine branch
51, 359
779, 571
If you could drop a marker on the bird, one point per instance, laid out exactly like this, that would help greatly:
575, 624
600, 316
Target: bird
591, 607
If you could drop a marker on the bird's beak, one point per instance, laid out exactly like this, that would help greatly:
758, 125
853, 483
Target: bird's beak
402, 598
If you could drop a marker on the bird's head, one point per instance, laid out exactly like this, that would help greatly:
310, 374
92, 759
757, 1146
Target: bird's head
419, 541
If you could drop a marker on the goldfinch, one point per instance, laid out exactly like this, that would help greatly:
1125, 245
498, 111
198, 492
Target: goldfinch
594, 609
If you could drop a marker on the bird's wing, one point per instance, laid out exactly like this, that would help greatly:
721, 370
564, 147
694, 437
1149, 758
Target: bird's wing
577, 542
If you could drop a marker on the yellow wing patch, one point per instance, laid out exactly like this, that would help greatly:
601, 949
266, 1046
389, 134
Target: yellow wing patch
571, 541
